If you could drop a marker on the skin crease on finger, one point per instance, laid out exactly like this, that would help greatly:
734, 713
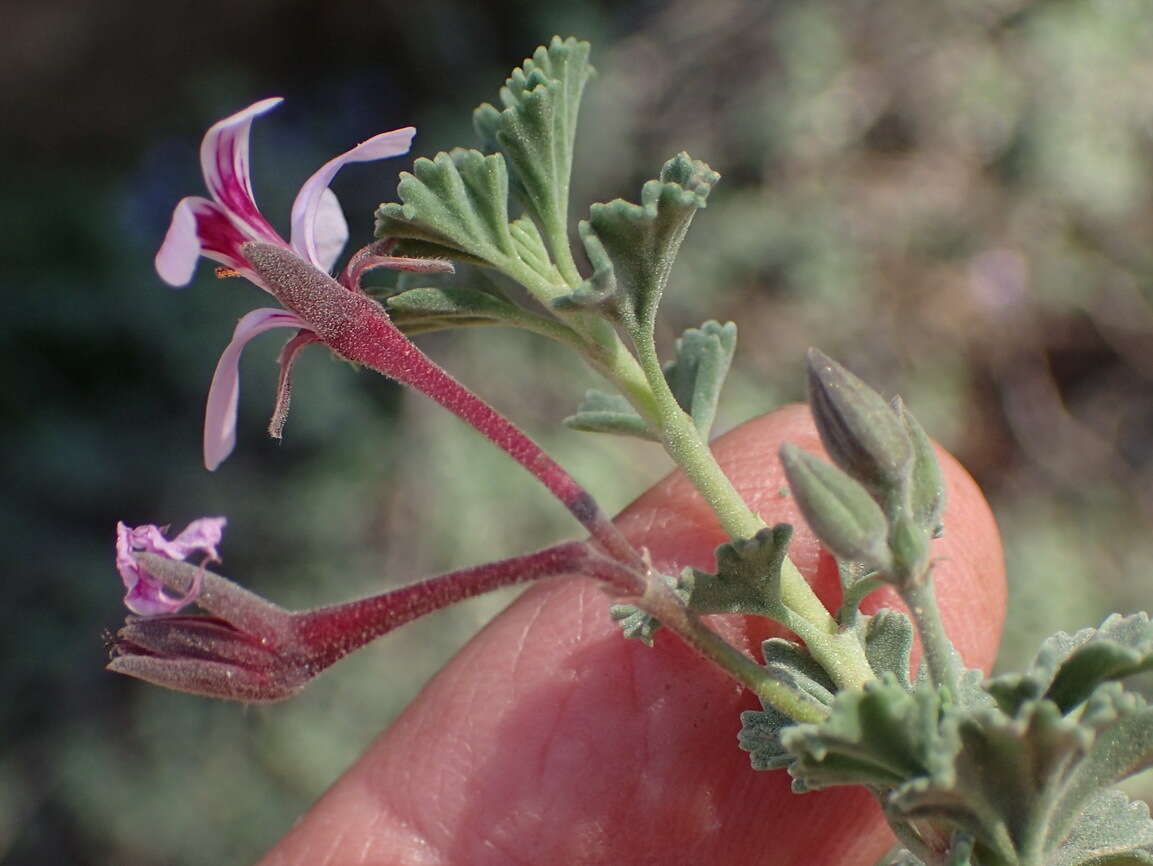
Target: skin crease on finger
551, 740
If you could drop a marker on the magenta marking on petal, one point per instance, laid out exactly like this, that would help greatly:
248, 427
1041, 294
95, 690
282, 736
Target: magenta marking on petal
307, 205
224, 161
223, 394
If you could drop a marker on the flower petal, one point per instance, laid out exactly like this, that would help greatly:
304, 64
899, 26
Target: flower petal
220, 412
224, 161
329, 230
145, 593
307, 225
200, 228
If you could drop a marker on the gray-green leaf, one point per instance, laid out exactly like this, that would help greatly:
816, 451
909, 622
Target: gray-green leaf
697, 374
632, 247
600, 412
536, 129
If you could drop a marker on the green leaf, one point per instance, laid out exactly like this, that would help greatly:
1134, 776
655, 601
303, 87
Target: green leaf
635, 623
608, 413
423, 309
697, 374
1112, 830
1068, 668
760, 736
632, 247
458, 202
889, 644
880, 736
1019, 785
536, 129
760, 733
747, 579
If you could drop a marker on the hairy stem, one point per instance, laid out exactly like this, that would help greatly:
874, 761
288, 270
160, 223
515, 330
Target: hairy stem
840, 654
377, 343
940, 657
337, 630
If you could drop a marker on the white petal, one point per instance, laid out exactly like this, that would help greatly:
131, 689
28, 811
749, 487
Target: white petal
306, 208
329, 230
223, 394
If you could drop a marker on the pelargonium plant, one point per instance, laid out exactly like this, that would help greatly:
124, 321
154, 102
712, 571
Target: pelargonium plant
858, 687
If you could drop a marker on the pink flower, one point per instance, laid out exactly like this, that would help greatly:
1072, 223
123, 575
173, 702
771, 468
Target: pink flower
220, 227
145, 595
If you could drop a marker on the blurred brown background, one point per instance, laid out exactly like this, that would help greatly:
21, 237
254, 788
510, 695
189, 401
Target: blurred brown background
951, 197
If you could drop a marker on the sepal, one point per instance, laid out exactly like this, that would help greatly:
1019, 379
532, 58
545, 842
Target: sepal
840, 511
432, 308
858, 428
926, 481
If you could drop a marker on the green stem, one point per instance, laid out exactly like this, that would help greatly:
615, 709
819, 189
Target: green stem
939, 653
661, 602
841, 654
682, 441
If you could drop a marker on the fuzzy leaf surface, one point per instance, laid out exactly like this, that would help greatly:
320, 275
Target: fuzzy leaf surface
431, 308
635, 623
1111, 831
761, 730
601, 412
881, 736
458, 203
536, 128
1068, 668
632, 247
1019, 784
747, 579
697, 374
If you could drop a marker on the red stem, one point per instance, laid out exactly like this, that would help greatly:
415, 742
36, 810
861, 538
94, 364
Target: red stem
360, 330
378, 344
327, 634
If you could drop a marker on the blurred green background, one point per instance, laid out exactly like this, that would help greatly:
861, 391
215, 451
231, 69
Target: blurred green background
952, 197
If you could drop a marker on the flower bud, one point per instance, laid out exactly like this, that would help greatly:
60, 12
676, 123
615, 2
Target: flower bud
861, 433
927, 483
840, 511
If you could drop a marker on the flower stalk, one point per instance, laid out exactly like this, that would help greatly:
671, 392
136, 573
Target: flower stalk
249, 649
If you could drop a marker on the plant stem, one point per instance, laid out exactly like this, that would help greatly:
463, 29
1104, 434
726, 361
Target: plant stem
660, 601
840, 654
684, 445
333, 632
940, 656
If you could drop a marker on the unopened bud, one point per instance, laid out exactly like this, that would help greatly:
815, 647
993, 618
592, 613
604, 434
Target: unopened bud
859, 430
927, 482
840, 511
